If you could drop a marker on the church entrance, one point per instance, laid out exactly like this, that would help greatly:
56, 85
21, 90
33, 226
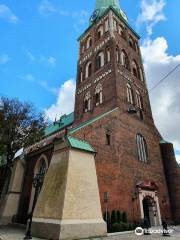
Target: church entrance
149, 208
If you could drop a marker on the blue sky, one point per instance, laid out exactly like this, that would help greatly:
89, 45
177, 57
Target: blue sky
39, 51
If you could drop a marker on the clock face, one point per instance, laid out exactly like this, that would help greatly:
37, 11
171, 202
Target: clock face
94, 15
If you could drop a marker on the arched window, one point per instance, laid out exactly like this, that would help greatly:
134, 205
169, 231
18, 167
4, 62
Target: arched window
98, 94
139, 100
108, 55
88, 70
117, 55
131, 42
124, 59
129, 93
87, 102
141, 75
41, 167
100, 32
83, 49
106, 25
142, 148
121, 30
99, 60
89, 42
80, 75
115, 25
135, 69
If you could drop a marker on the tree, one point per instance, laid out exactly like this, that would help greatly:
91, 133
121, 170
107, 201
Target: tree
124, 217
20, 126
113, 217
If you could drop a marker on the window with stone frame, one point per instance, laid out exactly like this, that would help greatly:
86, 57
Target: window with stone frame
142, 148
100, 32
80, 75
121, 31
98, 94
88, 69
89, 42
115, 25
106, 25
135, 69
139, 100
87, 102
131, 42
141, 75
108, 55
117, 54
124, 59
130, 97
100, 61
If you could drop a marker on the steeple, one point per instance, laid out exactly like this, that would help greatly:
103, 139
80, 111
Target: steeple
104, 4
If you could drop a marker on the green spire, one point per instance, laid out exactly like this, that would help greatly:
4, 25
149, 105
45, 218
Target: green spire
104, 4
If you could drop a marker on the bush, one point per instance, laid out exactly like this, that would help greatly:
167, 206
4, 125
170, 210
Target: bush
113, 217
121, 227
124, 217
119, 216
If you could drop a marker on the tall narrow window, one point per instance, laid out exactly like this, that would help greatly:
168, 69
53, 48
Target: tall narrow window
141, 75
142, 148
108, 139
87, 102
89, 42
80, 75
124, 59
98, 94
100, 32
88, 69
100, 60
108, 55
139, 100
117, 55
106, 25
129, 93
115, 25
135, 69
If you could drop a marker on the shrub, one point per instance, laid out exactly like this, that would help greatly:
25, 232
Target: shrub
124, 217
113, 217
119, 216
121, 227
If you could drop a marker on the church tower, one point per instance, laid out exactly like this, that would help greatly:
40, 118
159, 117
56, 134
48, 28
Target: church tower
110, 71
113, 114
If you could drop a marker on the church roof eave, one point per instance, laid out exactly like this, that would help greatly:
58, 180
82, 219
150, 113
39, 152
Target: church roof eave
105, 12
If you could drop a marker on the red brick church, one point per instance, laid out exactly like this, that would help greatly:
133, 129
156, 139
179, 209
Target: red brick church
136, 169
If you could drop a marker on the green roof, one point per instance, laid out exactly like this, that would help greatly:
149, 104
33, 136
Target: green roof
84, 124
63, 122
163, 142
119, 13
102, 5
79, 144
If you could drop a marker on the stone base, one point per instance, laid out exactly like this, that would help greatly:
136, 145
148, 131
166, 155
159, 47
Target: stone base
68, 229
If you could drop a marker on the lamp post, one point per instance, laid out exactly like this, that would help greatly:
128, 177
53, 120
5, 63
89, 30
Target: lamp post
37, 184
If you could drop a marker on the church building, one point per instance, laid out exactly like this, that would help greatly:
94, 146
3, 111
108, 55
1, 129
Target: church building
136, 169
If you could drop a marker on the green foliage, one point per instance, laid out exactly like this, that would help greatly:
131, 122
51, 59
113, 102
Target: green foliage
20, 126
119, 216
114, 217
124, 217
121, 227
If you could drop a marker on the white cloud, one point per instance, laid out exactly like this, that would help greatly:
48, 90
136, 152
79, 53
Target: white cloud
151, 13
29, 77
51, 61
29, 55
165, 99
6, 14
65, 100
46, 86
46, 8
4, 58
